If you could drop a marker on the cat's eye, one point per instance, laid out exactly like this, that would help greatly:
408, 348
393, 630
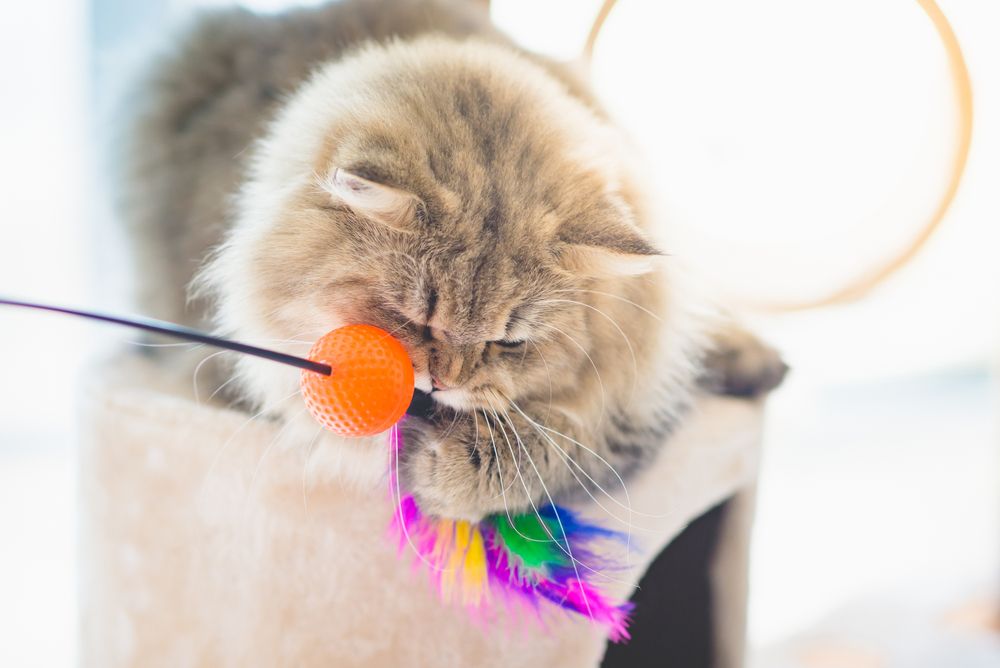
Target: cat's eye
509, 344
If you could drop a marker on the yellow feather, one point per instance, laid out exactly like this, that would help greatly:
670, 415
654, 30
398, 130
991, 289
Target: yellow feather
442, 542
447, 556
462, 531
442, 554
474, 571
459, 546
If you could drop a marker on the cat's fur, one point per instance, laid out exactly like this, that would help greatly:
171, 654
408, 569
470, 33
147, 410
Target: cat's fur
430, 178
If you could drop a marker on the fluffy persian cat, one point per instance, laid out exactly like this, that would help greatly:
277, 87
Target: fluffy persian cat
402, 163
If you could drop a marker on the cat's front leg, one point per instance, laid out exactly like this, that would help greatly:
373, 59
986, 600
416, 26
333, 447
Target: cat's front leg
471, 464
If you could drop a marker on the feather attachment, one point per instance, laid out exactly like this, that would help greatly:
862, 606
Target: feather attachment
523, 560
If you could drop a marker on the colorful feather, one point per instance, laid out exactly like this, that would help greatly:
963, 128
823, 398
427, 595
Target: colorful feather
522, 560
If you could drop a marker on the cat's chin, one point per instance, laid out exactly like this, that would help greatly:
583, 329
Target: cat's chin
422, 381
457, 399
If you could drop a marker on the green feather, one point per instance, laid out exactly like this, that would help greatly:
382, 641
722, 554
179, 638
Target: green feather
530, 540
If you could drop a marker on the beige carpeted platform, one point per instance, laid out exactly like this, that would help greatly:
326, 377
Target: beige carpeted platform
203, 546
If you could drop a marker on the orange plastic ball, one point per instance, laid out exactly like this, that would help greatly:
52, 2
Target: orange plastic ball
371, 385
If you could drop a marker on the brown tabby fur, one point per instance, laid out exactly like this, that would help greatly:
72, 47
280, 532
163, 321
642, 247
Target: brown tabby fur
485, 211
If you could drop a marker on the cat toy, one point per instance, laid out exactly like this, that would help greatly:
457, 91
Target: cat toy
521, 559
358, 381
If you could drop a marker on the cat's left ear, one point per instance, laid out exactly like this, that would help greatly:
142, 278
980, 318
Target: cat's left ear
376, 201
609, 244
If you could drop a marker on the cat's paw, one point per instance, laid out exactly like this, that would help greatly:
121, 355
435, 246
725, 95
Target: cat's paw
741, 365
441, 466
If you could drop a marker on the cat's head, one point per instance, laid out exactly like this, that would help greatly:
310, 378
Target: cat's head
454, 194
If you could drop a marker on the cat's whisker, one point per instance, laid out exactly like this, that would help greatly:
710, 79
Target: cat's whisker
414, 274
502, 417
297, 342
613, 296
614, 323
219, 389
232, 437
503, 488
263, 456
393, 331
524, 354
194, 346
563, 545
496, 402
629, 524
194, 376
611, 468
600, 381
186, 344
309, 450
397, 501
568, 461
255, 340
475, 445
604, 461
567, 549
517, 470
451, 427
496, 455
414, 263
548, 376
524, 485
197, 369
320, 183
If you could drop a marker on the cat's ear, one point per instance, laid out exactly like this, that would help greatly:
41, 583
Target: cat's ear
606, 245
381, 203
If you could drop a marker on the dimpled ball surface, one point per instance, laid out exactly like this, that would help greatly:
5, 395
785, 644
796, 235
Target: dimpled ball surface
371, 385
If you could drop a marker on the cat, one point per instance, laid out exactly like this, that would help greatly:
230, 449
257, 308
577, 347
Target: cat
404, 164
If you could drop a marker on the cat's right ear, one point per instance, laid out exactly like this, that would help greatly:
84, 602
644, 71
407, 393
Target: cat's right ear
384, 204
606, 244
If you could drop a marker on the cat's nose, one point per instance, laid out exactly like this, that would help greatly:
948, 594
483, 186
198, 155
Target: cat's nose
437, 384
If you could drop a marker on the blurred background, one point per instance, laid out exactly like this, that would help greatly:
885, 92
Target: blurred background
793, 144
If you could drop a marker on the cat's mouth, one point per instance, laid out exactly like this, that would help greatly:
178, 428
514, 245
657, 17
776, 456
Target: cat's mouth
457, 398
461, 399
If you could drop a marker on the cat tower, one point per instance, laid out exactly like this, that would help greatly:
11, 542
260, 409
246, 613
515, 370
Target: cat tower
204, 546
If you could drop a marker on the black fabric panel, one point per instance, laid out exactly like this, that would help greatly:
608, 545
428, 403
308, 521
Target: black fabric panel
672, 626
